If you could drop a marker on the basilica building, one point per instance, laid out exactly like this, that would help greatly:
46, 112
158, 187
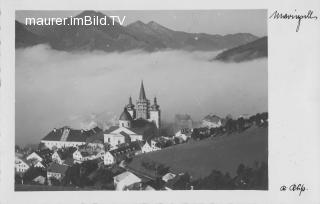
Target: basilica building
142, 110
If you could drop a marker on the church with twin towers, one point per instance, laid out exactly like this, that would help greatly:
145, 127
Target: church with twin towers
142, 110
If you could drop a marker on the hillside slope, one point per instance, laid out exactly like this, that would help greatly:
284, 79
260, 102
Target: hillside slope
25, 38
223, 153
249, 51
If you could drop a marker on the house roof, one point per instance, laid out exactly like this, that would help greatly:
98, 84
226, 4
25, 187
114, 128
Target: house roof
28, 162
96, 138
127, 175
111, 129
71, 135
57, 168
127, 148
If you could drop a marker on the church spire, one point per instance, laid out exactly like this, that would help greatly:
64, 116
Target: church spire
142, 95
130, 106
155, 105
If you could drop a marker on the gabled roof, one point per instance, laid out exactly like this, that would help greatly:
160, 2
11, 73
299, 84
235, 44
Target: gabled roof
57, 168
72, 135
111, 129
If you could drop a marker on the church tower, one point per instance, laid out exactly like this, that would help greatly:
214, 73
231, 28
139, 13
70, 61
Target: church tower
130, 108
155, 113
142, 104
125, 119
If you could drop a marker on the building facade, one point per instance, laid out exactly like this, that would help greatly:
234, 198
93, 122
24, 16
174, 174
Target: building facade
144, 109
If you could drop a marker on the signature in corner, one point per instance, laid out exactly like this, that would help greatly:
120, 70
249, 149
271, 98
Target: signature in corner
299, 17
294, 187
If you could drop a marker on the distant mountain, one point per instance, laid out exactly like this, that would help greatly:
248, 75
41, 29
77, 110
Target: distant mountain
249, 51
25, 38
138, 35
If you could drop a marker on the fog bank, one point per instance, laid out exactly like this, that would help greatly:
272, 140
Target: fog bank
56, 88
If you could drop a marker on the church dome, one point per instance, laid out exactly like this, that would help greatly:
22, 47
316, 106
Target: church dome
125, 115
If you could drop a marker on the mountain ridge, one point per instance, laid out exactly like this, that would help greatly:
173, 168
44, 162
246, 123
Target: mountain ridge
149, 36
252, 50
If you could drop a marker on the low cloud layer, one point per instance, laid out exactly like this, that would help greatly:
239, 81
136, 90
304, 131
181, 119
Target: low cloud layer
56, 88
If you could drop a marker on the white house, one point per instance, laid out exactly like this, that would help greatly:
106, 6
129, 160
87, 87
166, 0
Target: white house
34, 156
149, 147
56, 157
80, 156
109, 159
21, 165
121, 135
125, 179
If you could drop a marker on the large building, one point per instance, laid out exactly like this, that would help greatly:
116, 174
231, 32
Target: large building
68, 137
144, 109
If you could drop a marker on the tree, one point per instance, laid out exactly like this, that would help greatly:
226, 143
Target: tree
32, 173
107, 146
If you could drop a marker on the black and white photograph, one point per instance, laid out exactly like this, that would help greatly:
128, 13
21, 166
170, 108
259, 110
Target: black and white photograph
141, 100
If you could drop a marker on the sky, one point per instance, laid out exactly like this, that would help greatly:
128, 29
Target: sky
195, 21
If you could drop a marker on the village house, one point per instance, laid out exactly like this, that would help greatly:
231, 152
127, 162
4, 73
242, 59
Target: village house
124, 180
123, 152
183, 134
57, 157
22, 165
150, 147
109, 159
35, 157
121, 135
81, 156
58, 171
